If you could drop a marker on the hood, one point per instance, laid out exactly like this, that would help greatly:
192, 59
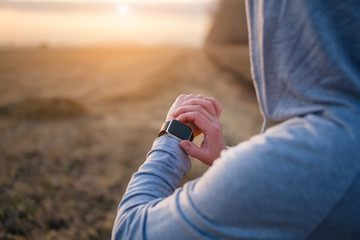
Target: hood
305, 56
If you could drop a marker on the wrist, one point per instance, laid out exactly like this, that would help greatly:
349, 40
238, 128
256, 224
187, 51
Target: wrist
168, 144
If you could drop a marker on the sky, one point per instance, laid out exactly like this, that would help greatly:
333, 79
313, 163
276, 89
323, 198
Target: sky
101, 22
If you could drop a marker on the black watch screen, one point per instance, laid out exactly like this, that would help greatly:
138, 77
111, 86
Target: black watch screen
180, 130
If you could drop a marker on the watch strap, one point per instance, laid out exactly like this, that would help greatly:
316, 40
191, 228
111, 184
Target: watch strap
163, 129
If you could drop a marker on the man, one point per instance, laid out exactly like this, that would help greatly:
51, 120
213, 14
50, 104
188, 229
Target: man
297, 180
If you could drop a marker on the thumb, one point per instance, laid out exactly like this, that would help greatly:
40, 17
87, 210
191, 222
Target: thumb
190, 148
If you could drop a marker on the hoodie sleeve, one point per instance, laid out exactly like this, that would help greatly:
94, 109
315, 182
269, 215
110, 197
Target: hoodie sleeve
155, 180
253, 191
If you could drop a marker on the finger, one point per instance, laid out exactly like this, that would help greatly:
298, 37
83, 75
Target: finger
198, 119
193, 96
192, 150
184, 97
208, 105
179, 101
193, 108
216, 104
190, 96
181, 97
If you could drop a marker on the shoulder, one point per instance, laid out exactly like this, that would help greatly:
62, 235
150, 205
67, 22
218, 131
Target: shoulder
309, 139
288, 179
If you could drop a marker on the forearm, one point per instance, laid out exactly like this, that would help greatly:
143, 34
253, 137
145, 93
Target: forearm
156, 179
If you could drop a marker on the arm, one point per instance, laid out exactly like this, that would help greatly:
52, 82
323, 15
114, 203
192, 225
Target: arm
155, 180
163, 170
256, 190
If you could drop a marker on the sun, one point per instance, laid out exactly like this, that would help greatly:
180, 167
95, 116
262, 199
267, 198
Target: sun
123, 9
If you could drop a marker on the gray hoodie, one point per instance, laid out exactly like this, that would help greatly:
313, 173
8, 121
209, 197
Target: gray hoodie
297, 180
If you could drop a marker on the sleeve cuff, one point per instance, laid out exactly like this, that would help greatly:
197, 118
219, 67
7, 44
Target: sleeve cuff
170, 144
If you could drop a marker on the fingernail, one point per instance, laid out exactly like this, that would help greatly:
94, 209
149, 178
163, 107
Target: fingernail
185, 145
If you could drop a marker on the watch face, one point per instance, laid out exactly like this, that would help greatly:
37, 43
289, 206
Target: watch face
180, 130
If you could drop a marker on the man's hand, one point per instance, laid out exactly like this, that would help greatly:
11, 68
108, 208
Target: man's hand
204, 113
177, 104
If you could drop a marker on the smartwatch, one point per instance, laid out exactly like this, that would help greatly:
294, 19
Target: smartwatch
178, 129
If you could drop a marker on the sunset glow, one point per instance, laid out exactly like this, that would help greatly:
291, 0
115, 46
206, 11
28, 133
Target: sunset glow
84, 22
123, 9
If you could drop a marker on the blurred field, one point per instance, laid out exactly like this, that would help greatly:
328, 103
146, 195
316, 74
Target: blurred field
76, 123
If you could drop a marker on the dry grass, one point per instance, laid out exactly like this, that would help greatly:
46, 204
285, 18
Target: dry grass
76, 123
34, 108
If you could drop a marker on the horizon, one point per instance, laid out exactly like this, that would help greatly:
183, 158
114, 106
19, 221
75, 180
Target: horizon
92, 23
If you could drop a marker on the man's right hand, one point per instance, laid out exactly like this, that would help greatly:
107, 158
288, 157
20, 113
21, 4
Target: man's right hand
204, 113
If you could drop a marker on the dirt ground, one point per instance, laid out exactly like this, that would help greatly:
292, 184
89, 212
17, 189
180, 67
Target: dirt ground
76, 123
